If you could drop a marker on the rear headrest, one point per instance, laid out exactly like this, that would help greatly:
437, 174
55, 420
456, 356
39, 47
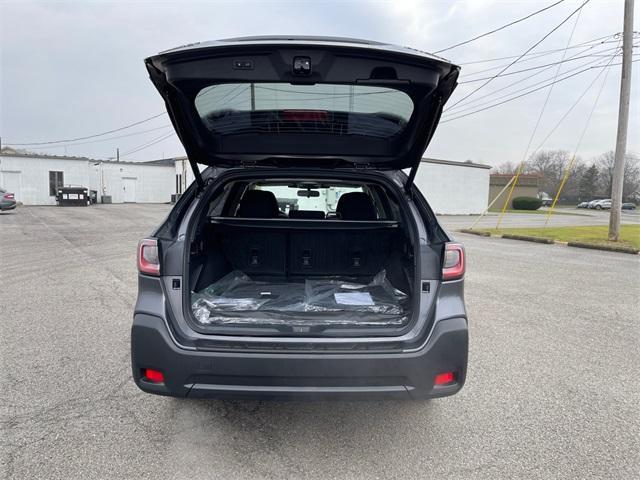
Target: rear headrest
308, 214
258, 204
356, 206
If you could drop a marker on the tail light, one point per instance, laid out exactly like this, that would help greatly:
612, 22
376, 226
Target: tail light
454, 264
148, 257
9, 196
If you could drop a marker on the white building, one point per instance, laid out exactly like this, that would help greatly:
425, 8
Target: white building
454, 188
34, 179
451, 188
184, 174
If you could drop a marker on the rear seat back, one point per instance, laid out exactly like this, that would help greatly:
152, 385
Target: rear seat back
307, 214
335, 252
305, 251
253, 251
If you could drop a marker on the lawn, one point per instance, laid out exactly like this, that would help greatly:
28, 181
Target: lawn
629, 234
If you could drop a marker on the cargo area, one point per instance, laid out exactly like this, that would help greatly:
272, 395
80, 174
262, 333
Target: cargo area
268, 263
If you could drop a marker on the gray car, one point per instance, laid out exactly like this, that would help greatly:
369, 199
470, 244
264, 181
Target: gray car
7, 200
303, 261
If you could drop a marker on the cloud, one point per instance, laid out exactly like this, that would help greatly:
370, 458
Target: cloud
73, 69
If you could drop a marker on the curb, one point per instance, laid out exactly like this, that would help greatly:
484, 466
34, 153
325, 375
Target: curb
525, 238
549, 241
475, 232
608, 248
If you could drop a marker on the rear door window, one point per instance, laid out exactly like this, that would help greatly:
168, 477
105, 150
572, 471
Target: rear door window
370, 111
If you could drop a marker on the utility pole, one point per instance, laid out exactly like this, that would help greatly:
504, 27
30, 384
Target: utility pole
117, 154
623, 123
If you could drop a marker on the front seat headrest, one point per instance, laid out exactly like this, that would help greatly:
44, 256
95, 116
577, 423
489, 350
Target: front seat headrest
356, 206
258, 204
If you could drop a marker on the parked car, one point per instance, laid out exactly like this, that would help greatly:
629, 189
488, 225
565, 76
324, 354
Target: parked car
237, 297
7, 200
602, 204
582, 205
628, 206
594, 203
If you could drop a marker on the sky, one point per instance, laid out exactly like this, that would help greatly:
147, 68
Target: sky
74, 69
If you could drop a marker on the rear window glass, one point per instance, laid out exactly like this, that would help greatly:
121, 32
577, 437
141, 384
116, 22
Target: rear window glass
317, 198
321, 108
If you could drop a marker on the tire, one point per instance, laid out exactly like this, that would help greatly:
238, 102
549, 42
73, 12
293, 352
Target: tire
598, 207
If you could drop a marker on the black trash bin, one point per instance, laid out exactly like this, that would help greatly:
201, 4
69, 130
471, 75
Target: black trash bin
73, 197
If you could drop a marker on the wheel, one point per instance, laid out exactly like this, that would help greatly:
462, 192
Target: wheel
598, 207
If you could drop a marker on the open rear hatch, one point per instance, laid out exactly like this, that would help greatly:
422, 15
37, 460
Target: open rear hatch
302, 101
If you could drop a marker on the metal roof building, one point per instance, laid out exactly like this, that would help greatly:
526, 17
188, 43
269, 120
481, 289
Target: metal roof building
34, 178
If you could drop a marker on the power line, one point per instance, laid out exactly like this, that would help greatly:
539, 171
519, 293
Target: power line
575, 104
584, 48
466, 105
526, 51
575, 153
515, 72
90, 136
446, 120
102, 139
500, 28
535, 128
594, 42
147, 145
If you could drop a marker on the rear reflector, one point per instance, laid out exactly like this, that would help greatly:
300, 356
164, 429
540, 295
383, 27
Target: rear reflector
445, 378
155, 376
453, 265
148, 257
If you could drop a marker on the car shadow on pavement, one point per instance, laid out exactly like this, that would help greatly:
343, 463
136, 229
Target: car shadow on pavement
302, 432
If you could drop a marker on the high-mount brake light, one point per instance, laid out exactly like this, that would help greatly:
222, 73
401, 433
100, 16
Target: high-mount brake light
148, 257
454, 262
304, 115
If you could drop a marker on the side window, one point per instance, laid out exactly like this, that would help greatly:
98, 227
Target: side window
217, 203
56, 181
382, 204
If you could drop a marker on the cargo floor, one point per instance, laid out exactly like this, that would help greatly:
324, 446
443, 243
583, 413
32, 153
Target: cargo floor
239, 299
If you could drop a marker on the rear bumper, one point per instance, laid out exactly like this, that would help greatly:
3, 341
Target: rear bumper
7, 205
196, 373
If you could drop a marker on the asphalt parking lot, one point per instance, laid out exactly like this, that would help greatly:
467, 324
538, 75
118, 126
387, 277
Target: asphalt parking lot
552, 389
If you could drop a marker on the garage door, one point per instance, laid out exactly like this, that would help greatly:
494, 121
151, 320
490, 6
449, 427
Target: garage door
12, 182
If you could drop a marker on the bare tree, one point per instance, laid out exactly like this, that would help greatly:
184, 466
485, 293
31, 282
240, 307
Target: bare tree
550, 165
506, 168
631, 181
